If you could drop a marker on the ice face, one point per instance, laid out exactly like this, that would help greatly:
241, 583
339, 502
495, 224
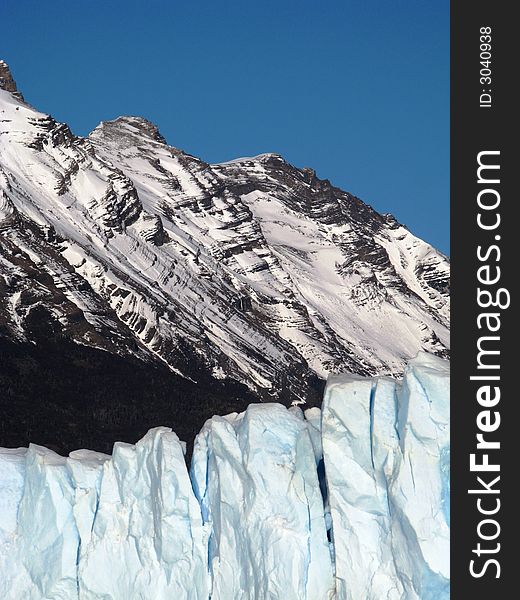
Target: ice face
268, 487
386, 449
255, 476
40, 538
93, 526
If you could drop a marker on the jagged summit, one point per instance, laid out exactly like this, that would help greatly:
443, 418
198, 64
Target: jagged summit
134, 124
264, 157
7, 81
250, 279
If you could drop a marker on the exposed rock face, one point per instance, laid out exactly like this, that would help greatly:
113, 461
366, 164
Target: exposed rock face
7, 82
252, 274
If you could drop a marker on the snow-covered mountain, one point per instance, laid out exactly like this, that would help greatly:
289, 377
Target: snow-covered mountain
252, 274
348, 504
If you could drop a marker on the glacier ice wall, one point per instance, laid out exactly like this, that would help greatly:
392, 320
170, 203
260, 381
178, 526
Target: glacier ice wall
255, 476
386, 454
97, 527
350, 503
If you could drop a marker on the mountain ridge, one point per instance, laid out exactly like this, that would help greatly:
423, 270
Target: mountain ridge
250, 271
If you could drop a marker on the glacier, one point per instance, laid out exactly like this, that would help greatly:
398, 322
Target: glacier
255, 477
386, 454
350, 502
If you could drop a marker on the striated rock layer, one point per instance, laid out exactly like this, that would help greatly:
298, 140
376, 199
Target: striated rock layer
251, 274
349, 504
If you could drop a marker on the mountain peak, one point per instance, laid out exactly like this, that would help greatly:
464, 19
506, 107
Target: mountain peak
7, 81
132, 124
252, 278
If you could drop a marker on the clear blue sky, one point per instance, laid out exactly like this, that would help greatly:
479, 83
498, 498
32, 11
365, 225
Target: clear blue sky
356, 89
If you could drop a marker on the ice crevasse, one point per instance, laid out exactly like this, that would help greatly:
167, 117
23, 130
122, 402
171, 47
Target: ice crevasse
347, 503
